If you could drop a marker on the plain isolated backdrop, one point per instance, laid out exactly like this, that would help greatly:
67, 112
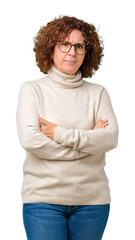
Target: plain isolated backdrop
19, 23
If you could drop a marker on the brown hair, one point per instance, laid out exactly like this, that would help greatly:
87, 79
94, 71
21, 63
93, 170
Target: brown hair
57, 30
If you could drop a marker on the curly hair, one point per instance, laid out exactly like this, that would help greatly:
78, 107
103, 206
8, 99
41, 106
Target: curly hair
57, 30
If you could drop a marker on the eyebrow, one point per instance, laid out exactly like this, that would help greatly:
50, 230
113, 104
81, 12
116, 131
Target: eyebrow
74, 43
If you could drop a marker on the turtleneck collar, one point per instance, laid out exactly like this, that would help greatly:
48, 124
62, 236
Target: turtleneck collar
63, 80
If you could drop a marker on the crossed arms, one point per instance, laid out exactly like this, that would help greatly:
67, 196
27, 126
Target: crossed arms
64, 144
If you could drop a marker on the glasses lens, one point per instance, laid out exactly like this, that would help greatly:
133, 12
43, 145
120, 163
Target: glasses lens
80, 48
64, 46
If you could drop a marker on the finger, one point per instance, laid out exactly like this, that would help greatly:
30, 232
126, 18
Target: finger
42, 121
42, 129
104, 125
101, 122
104, 122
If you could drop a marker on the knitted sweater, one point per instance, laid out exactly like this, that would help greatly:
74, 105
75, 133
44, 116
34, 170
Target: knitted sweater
68, 170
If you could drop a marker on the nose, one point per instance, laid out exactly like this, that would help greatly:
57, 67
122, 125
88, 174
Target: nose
72, 50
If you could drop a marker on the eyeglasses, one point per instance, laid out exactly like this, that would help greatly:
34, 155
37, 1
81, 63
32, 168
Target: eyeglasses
64, 47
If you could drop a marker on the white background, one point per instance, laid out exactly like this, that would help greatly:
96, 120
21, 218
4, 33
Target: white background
19, 23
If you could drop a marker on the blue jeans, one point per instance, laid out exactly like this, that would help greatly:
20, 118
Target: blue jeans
44, 221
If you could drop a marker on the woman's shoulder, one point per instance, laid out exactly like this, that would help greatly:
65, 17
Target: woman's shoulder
93, 86
33, 84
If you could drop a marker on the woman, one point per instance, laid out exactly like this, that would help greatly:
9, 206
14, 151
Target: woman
66, 125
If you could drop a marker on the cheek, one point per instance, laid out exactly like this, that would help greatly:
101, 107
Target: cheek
81, 59
58, 57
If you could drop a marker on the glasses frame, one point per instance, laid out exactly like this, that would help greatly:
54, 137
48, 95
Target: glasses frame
58, 43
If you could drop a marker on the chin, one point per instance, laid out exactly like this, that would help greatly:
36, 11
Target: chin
70, 71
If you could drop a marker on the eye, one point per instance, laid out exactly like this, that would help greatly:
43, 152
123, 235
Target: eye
79, 46
64, 44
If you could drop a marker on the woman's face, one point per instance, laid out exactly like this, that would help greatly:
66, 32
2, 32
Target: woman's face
70, 61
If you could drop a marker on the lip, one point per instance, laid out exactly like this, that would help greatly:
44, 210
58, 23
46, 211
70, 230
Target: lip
70, 61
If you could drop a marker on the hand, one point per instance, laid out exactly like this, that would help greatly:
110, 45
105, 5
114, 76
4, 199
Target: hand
101, 124
48, 129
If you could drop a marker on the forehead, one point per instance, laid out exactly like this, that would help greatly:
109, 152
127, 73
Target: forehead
75, 36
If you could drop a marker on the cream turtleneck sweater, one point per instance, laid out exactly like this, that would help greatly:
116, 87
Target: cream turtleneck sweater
70, 169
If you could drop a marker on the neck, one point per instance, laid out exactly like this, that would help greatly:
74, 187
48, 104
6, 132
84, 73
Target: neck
63, 80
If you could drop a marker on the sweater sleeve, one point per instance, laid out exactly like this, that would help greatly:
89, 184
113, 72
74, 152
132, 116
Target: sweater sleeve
92, 141
30, 136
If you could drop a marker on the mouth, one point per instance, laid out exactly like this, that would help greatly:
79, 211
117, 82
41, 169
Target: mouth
70, 61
